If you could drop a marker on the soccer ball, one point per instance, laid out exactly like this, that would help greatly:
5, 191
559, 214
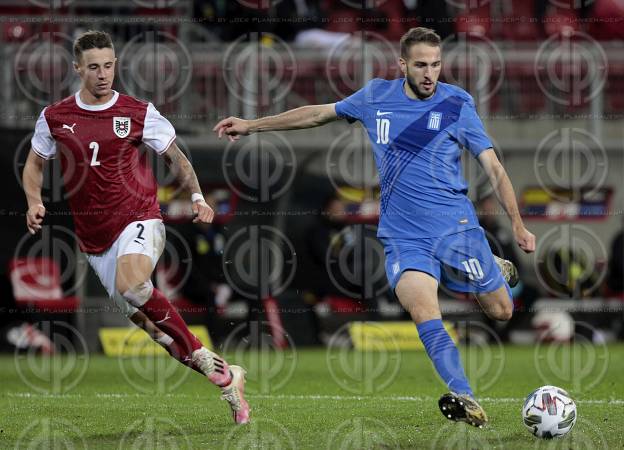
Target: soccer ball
549, 412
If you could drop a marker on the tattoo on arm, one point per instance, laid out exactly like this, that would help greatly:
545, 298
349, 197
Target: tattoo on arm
179, 164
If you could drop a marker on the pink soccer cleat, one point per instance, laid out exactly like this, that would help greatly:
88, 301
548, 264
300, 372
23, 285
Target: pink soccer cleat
233, 393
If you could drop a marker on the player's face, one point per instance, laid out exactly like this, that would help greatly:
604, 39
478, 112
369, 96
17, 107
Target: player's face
422, 69
97, 71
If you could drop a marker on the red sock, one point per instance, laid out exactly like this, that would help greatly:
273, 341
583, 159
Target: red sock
166, 317
178, 353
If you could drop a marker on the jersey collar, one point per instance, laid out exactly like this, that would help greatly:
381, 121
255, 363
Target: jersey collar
101, 107
407, 97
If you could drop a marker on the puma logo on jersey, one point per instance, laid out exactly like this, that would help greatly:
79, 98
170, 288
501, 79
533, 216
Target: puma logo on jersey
69, 128
379, 113
167, 317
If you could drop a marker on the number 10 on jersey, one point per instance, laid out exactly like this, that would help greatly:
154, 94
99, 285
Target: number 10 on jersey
383, 130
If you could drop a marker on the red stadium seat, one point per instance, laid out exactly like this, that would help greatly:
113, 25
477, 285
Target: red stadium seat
475, 23
561, 22
518, 25
608, 20
36, 284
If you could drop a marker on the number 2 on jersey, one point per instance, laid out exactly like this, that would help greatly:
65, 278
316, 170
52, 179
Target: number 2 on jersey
95, 147
383, 130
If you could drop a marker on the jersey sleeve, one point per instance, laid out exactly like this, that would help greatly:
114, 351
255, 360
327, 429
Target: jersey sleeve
470, 130
42, 142
352, 108
158, 133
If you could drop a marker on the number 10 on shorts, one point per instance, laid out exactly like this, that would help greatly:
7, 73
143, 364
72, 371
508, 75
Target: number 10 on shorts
473, 268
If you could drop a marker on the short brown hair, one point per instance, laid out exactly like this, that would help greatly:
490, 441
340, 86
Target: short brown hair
91, 39
418, 35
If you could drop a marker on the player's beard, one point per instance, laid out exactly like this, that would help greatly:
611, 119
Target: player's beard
414, 87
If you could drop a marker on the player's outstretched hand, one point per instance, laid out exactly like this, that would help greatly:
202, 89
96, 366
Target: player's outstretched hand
202, 212
232, 127
34, 217
525, 239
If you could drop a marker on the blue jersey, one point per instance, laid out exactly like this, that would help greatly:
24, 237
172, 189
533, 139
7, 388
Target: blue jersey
417, 146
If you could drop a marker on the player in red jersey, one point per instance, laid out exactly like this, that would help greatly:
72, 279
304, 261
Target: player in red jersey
112, 195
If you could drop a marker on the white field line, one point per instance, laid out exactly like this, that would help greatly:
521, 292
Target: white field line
614, 401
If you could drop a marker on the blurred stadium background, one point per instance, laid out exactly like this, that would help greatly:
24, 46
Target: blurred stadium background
292, 257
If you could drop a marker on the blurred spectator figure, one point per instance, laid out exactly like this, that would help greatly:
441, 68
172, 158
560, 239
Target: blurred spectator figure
502, 244
387, 18
333, 243
430, 13
325, 230
230, 19
303, 22
569, 272
500, 238
205, 286
615, 277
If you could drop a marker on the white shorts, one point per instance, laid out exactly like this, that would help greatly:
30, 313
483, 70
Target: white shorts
146, 237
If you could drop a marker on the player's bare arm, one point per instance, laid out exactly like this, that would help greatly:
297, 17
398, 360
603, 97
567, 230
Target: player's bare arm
32, 180
180, 165
505, 193
295, 119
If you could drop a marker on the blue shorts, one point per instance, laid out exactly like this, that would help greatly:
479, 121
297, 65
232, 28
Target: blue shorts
463, 261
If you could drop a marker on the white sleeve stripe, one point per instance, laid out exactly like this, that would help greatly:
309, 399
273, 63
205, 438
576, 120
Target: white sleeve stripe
166, 146
163, 150
42, 141
158, 133
41, 154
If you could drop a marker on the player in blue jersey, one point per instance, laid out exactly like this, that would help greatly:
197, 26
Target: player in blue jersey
418, 128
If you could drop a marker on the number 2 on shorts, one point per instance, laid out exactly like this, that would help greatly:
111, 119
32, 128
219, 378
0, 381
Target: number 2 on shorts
141, 228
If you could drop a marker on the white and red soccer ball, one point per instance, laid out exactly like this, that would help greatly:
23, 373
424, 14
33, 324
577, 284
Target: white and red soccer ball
549, 412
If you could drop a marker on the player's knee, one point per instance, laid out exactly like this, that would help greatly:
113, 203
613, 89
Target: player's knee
138, 295
502, 312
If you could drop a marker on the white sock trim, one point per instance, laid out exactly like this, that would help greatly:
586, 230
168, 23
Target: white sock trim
165, 340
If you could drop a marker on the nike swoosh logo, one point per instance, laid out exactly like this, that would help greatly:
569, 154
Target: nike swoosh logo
379, 113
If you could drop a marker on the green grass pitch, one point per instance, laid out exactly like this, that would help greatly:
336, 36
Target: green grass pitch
305, 399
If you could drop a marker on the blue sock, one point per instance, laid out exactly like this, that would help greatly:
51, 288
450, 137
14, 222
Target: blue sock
444, 355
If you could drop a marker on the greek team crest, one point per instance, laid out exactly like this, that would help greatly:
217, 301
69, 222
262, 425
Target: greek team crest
121, 126
435, 120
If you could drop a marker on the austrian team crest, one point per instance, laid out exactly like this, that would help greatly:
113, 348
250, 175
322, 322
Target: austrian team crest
121, 126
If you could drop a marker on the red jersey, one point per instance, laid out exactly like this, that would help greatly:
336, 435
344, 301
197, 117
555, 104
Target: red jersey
107, 183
